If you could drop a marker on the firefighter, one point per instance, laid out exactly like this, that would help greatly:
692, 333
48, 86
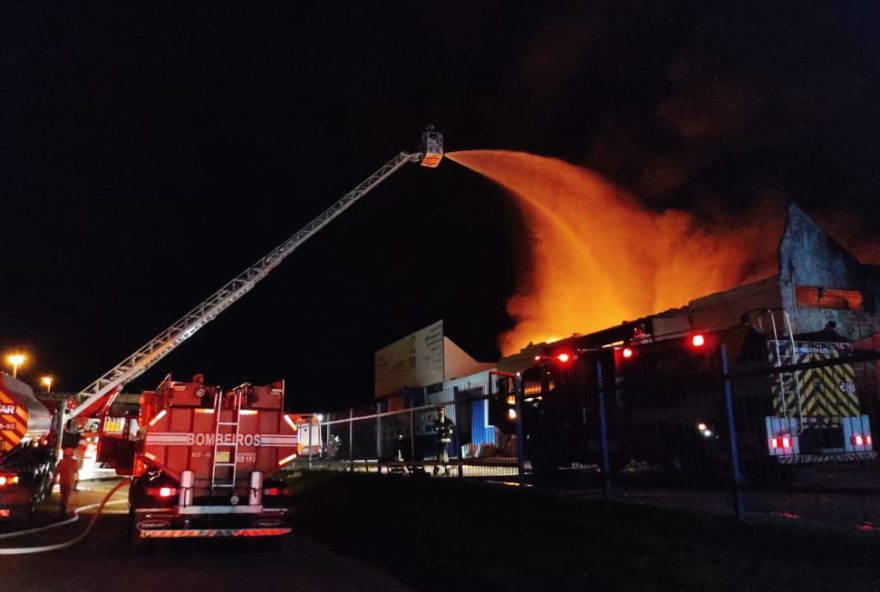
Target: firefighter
68, 471
443, 426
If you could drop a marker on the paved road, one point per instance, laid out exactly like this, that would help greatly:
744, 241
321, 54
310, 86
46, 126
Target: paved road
104, 561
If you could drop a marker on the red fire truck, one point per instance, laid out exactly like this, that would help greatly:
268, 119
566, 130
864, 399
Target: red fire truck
665, 405
27, 465
203, 461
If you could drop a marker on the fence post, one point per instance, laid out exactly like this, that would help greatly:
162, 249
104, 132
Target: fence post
455, 404
520, 445
310, 442
603, 434
412, 436
351, 439
738, 502
378, 438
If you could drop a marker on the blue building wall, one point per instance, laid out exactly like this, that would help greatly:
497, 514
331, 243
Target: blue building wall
481, 432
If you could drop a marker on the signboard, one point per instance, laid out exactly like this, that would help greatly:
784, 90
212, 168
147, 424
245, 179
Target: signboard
411, 362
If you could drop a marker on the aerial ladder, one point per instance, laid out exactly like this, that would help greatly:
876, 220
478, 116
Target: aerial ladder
101, 392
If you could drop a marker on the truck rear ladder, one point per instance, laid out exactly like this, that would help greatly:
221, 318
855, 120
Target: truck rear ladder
227, 467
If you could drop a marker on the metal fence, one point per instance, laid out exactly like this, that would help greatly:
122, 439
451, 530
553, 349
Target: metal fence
782, 429
399, 435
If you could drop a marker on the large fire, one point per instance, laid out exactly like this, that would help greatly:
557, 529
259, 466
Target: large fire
600, 258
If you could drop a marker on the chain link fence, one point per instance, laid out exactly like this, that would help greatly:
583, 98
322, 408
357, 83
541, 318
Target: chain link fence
731, 423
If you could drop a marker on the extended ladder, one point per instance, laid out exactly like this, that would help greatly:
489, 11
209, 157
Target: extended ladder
112, 381
228, 463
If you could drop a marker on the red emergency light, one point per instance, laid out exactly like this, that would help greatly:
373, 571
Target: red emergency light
783, 442
560, 358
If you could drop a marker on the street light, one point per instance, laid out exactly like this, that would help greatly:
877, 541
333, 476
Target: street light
16, 360
47, 380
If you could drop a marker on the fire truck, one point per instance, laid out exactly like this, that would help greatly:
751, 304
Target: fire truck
664, 400
203, 461
239, 434
27, 464
96, 398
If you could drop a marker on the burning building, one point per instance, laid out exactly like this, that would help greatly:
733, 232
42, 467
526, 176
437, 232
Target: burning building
819, 288
783, 345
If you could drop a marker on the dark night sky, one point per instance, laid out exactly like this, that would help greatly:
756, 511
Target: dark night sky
150, 154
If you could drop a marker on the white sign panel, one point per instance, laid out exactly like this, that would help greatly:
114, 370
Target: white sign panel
413, 361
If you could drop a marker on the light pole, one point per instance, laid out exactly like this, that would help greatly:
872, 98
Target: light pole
47, 380
16, 360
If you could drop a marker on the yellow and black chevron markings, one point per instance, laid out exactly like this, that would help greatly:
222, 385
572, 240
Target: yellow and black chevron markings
13, 425
824, 392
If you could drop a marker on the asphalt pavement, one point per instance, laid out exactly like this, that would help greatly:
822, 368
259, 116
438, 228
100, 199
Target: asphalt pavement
105, 560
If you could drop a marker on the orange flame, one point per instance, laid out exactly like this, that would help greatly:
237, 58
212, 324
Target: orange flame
600, 258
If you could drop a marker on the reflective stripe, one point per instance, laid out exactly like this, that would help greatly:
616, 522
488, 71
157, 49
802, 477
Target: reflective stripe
220, 509
797, 459
167, 438
278, 440
213, 532
196, 439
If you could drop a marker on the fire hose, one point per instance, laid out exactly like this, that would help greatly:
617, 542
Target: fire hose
54, 547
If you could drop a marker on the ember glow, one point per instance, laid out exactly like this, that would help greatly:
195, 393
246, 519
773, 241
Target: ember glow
599, 258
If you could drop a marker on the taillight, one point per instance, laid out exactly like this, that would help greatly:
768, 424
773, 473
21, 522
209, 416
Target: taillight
163, 492
783, 442
698, 340
861, 440
8, 479
271, 491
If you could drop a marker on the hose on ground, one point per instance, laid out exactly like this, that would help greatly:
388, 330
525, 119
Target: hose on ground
66, 544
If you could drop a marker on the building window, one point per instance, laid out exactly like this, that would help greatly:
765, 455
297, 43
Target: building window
819, 297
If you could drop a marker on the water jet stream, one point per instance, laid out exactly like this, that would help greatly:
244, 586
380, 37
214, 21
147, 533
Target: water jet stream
600, 257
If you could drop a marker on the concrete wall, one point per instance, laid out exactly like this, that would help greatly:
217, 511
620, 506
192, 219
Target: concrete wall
809, 257
457, 362
724, 309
